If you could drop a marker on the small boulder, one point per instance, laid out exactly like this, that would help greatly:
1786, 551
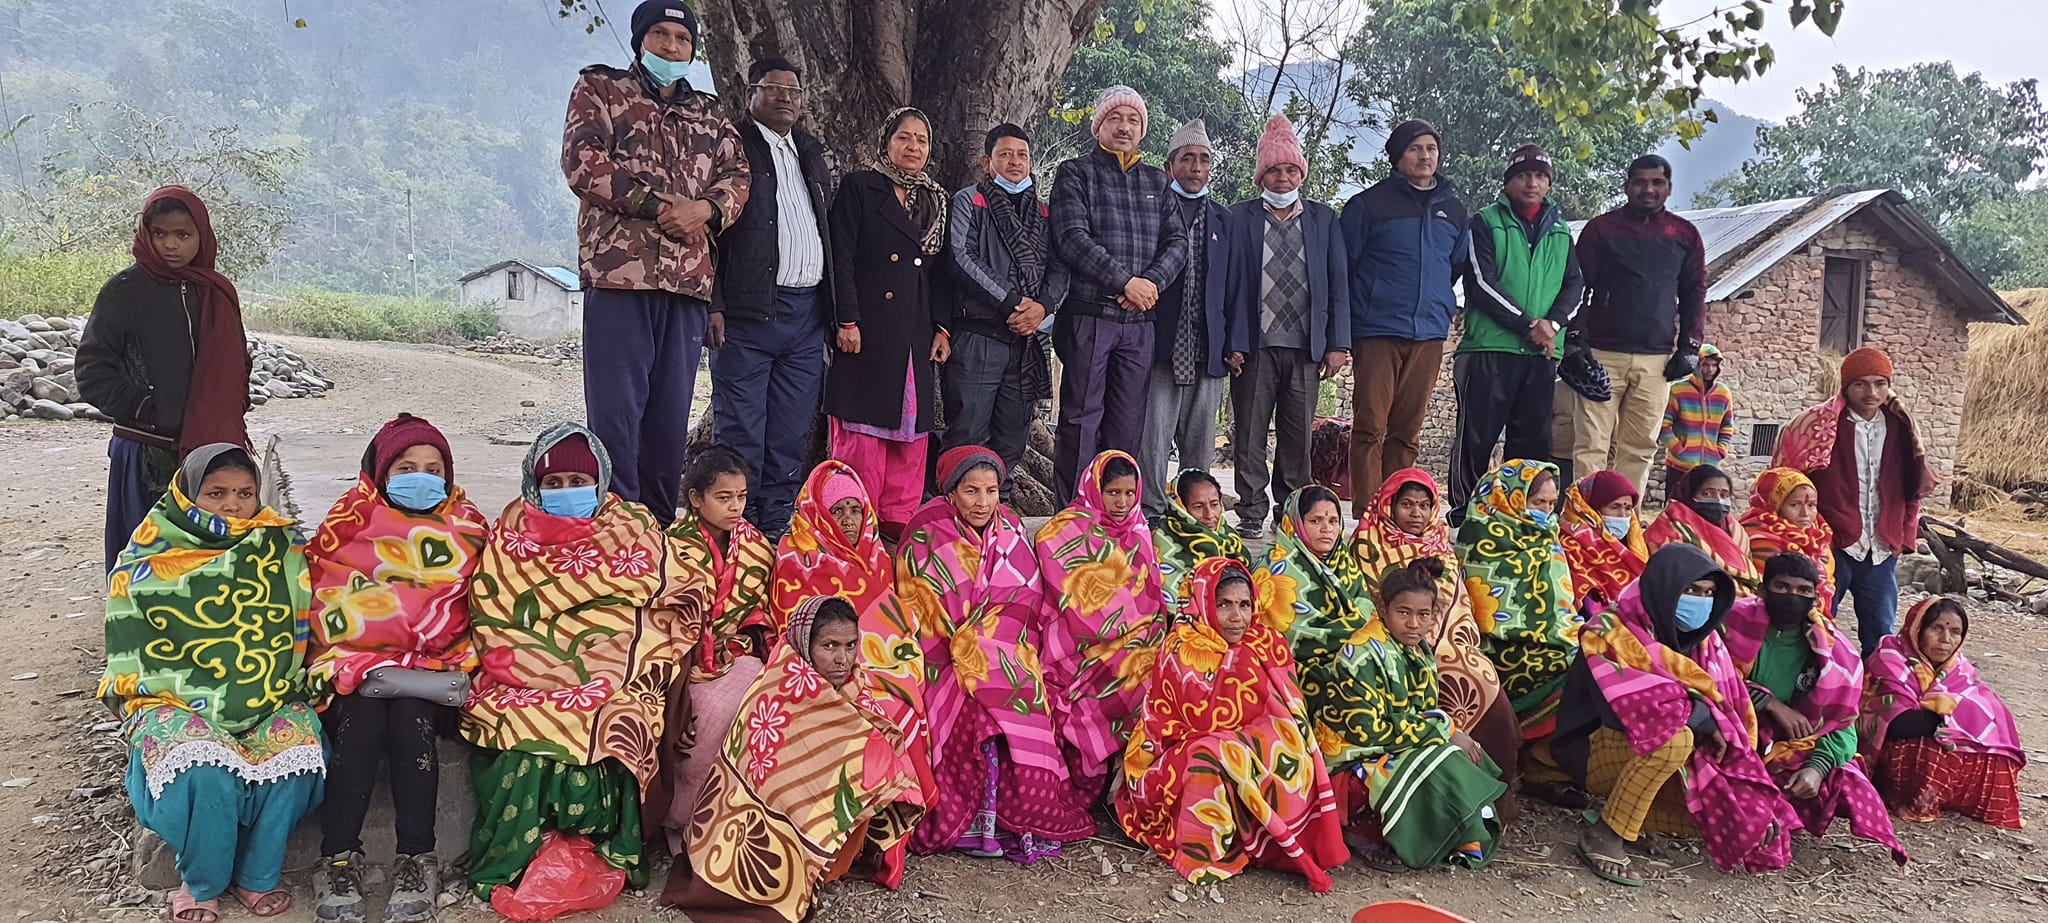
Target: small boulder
50, 410
50, 389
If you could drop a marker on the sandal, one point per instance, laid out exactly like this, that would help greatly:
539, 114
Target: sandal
1607, 868
1376, 854
186, 910
265, 904
1569, 797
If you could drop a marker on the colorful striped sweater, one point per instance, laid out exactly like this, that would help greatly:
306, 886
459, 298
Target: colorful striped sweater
1699, 425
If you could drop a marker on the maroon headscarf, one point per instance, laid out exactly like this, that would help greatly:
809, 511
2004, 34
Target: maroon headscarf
219, 393
400, 434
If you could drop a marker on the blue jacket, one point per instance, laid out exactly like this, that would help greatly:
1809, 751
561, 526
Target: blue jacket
1329, 320
1215, 291
1405, 246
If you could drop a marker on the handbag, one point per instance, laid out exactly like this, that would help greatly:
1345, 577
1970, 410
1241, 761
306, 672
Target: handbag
442, 687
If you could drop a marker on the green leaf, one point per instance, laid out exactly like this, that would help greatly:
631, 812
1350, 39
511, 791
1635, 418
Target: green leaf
298, 23
1138, 27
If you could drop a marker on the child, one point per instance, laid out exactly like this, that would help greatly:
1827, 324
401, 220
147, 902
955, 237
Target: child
1699, 420
164, 356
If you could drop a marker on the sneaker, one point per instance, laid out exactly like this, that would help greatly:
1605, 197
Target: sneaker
415, 883
338, 889
1251, 530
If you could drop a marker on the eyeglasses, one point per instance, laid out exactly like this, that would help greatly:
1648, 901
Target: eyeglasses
779, 91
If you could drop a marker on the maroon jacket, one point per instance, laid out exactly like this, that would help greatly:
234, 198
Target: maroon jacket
1646, 276
1903, 480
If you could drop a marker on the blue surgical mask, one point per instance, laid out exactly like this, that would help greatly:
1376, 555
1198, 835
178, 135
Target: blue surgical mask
1693, 611
1617, 526
1281, 199
1175, 186
1540, 518
572, 502
663, 70
417, 490
1013, 188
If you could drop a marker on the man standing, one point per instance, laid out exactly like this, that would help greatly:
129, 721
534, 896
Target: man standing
999, 235
1405, 241
769, 303
657, 169
1290, 323
1185, 387
1648, 272
1122, 243
1522, 288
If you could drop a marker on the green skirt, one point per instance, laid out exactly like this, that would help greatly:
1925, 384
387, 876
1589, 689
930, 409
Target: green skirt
521, 796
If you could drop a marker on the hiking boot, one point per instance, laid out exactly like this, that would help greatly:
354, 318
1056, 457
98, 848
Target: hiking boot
415, 883
338, 889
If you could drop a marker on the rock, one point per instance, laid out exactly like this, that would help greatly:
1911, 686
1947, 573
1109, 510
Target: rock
84, 411
50, 410
1038, 465
39, 326
281, 389
13, 331
17, 783
1039, 437
259, 398
50, 389
62, 323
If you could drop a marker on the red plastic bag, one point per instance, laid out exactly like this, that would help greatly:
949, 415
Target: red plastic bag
565, 875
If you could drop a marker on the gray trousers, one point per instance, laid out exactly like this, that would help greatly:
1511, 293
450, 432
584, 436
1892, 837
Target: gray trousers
1176, 416
1278, 386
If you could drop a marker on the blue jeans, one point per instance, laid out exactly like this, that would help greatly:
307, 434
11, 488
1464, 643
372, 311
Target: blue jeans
640, 354
765, 385
1876, 589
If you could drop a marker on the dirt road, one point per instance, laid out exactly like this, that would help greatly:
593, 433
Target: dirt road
64, 832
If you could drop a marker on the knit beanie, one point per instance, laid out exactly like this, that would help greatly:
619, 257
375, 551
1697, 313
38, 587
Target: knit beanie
957, 461
1278, 146
1405, 134
1525, 159
570, 456
650, 12
1603, 487
1864, 363
1115, 97
840, 486
1191, 133
399, 435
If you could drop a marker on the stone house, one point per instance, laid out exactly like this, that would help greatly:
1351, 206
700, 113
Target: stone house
533, 302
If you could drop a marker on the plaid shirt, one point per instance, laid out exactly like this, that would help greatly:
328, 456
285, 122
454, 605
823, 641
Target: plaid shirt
1109, 224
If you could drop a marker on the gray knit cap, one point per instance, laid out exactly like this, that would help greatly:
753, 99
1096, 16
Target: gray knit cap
1190, 133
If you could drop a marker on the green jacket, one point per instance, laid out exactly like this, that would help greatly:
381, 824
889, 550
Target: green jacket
1513, 282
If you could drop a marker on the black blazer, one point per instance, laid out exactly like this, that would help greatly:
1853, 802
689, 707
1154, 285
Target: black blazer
748, 252
883, 283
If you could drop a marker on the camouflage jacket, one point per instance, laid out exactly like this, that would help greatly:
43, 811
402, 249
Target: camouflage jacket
622, 144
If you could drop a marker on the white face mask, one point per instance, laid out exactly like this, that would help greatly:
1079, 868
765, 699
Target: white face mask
1189, 195
1282, 200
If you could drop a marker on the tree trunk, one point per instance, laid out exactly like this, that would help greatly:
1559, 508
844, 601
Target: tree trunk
969, 64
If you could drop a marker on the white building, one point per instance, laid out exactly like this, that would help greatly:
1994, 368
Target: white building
533, 302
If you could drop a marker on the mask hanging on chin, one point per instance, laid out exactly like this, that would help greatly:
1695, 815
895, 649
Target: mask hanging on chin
1175, 186
1012, 188
1281, 200
695, 75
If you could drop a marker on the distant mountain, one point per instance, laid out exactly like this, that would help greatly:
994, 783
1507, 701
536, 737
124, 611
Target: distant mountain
1720, 151
1313, 80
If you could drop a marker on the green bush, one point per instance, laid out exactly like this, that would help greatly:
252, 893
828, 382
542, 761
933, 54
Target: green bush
54, 284
341, 316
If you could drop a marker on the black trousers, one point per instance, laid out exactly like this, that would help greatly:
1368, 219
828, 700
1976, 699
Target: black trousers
1498, 392
363, 731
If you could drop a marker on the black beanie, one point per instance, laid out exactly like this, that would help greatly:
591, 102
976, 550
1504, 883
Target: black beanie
654, 11
1398, 140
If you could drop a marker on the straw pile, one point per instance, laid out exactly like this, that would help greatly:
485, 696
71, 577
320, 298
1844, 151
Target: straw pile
2005, 414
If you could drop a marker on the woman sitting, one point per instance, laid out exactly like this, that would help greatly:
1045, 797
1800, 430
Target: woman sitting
1784, 515
1656, 718
813, 784
1193, 531
221, 763
1602, 538
390, 567
582, 613
1700, 514
1521, 588
1221, 770
1403, 525
967, 574
1939, 738
1102, 577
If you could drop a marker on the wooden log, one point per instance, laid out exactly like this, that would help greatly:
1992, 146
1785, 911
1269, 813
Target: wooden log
1957, 539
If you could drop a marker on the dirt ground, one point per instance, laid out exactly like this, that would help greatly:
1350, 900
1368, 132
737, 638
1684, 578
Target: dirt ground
65, 829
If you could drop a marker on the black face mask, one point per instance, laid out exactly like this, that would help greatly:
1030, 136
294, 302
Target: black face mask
1788, 609
1713, 511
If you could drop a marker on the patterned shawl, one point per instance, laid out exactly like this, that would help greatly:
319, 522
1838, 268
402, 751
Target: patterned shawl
1602, 565
1771, 534
581, 625
977, 602
1100, 645
1899, 678
1317, 603
194, 592
805, 770
1521, 590
739, 588
1183, 542
1467, 684
1728, 546
391, 587
1219, 772
924, 199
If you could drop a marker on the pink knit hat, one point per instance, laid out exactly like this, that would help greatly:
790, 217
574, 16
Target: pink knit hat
1114, 97
841, 486
1278, 146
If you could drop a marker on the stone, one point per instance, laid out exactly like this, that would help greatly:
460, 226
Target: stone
40, 326
50, 410
1028, 497
281, 389
259, 398
62, 323
13, 331
50, 389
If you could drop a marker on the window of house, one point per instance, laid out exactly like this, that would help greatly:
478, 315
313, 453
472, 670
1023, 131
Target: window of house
1763, 440
515, 285
1841, 307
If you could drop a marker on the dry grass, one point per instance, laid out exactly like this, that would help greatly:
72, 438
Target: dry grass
2005, 413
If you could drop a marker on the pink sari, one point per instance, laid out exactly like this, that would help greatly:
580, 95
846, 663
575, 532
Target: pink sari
1901, 679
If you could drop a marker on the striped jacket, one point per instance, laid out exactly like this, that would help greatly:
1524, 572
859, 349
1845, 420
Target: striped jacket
1699, 425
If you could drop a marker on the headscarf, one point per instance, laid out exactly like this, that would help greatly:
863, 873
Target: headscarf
1601, 565
391, 585
1467, 682
739, 587
218, 395
1182, 542
1317, 602
1225, 726
1900, 678
581, 626
1521, 591
1771, 534
194, 591
925, 199
1727, 544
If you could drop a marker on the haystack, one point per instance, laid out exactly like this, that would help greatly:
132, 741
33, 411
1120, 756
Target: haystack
2005, 413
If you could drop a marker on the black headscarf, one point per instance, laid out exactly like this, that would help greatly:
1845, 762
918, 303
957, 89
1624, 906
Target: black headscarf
1671, 570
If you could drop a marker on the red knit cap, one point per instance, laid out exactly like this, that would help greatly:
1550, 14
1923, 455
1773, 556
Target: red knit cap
954, 463
1603, 487
401, 434
571, 455
1864, 363
1277, 146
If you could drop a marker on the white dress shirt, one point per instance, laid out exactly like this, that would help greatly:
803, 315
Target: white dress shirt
800, 252
1870, 435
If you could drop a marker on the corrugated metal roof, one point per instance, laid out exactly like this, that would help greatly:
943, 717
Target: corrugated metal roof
563, 276
1735, 230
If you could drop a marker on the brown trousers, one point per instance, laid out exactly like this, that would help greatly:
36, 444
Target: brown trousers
1391, 383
